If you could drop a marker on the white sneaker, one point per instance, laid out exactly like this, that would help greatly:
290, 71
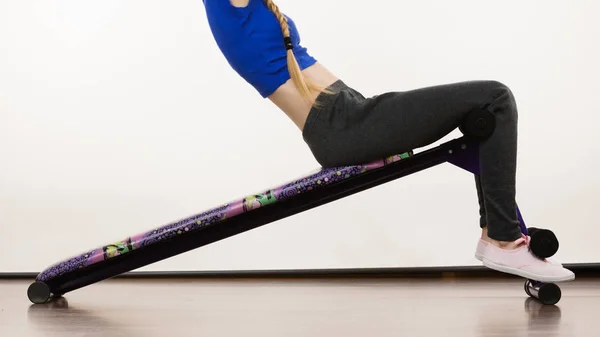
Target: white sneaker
481, 249
523, 263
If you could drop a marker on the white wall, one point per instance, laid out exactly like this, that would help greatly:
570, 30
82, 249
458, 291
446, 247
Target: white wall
120, 116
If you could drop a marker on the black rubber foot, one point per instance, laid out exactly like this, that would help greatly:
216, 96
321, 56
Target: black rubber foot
544, 243
549, 294
545, 293
39, 293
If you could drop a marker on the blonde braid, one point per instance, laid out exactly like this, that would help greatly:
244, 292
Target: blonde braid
304, 86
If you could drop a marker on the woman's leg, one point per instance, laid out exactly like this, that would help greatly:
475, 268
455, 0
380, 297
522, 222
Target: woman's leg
350, 129
358, 130
482, 212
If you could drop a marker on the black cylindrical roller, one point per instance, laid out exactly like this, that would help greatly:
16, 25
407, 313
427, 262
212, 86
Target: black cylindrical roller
544, 243
39, 293
479, 124
546, 293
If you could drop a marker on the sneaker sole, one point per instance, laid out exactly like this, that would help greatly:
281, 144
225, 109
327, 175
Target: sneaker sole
527, 275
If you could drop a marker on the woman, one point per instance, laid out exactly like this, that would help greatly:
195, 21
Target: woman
341, 127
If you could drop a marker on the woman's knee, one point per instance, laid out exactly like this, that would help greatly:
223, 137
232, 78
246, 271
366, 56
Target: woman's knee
498, 88
502, 98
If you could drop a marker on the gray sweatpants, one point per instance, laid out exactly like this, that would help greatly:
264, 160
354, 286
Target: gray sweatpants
345, 128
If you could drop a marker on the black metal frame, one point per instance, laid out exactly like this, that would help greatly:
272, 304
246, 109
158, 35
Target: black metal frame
251, 220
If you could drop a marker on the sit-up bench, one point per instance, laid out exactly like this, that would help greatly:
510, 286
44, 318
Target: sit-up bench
257, 210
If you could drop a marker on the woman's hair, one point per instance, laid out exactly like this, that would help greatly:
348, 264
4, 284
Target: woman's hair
304, 86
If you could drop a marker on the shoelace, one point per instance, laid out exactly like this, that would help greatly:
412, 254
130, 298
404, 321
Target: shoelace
524, 239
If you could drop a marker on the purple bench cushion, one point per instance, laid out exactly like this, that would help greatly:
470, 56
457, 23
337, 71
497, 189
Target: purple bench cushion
322, 178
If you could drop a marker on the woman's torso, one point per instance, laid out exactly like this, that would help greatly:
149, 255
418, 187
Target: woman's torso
251, 40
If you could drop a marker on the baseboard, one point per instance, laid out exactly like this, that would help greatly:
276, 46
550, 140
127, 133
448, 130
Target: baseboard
581, 270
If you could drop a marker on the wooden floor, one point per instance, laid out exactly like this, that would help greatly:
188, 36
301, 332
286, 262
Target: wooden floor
289, 308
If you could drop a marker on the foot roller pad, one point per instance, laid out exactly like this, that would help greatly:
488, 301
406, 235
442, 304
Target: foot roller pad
479, 124
544, 243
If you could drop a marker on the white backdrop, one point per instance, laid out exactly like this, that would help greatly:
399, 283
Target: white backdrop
120, 116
